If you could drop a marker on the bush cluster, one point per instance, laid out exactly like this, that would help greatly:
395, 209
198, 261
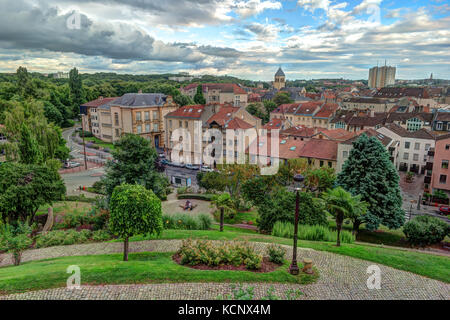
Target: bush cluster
425, 230
197, 196
214, 254
276, 253
67, 237
184, 221
313, 233
97, 218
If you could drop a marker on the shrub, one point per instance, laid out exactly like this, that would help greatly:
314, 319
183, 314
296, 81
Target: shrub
425, 230
15, 239
205, 197
210, 254
184, 190
313, 233
184, 221
101, 235
276, 253
62, 237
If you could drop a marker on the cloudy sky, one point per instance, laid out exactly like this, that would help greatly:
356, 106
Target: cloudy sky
244, 38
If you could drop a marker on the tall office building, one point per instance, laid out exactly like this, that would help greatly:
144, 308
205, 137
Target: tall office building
380, 77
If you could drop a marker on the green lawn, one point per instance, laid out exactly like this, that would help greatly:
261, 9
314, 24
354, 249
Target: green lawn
240, 217
63, 207
147, 267
429, 265
101, 143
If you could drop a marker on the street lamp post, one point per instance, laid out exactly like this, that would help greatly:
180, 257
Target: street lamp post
298, 180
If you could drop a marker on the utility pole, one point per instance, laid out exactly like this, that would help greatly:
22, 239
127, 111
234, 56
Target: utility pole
84, 144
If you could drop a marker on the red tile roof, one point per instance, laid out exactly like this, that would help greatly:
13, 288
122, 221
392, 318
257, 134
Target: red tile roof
224, 114
327, 110
189, 86
273, 124
309, 108
194, 112
337, 134
98, 102
298, 131
286, 108
320, 149
237, 123
223, 87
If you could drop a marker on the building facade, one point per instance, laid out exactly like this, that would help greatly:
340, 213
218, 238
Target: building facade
280, 80
380, 77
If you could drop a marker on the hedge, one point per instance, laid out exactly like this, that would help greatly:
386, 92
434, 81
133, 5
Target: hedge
197, 196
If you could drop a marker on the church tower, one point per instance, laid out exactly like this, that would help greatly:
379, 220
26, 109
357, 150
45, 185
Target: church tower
280, 80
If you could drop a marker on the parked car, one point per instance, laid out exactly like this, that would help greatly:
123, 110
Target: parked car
192, 167
161, 155
177, 164
79, 129
444, 210
206, 169
71, 164
165, 162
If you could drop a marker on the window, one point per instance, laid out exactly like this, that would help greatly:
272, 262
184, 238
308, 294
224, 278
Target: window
345, 154
186, 124
427, 146
407, 144
321, 163
439, 126
155, 115
170, 124
116, 118
444, 164
139, 129
443, 178
138, 116
330, 164
415, 157
147, 115
117, 132
155, 127
447, 146
417, 146
147, 128
406, 156
180, 124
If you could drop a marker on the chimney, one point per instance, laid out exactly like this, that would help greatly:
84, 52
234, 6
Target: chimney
100, 98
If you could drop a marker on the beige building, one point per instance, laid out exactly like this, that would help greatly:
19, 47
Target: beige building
280, 80
380, 77
219, 93
138, 113
368, 103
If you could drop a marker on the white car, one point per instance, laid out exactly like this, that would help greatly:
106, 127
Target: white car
206, 169
192, 167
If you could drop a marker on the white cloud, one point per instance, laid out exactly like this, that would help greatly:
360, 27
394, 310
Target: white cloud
250, 8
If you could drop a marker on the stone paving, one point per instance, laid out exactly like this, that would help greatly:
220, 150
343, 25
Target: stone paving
341, 277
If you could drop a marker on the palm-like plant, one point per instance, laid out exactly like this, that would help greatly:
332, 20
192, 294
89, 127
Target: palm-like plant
341, 204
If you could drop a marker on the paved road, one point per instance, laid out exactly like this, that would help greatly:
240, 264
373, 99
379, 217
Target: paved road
341, 277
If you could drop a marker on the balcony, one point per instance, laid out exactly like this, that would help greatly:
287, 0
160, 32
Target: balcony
431, 152
429, 166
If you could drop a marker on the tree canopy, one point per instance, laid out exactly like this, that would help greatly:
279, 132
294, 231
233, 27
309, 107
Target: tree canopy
369, 172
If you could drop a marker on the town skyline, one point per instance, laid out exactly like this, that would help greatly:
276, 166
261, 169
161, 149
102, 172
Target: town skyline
309, 39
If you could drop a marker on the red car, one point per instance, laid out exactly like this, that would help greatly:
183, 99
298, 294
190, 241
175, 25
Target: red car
444, 209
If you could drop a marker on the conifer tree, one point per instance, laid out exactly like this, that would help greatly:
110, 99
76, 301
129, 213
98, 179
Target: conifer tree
369, 172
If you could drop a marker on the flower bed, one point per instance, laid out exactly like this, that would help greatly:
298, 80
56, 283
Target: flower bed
206, 255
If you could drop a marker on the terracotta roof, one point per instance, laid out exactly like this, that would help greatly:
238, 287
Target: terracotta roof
273, 124
440, 137
224, 114
98, 102
193, 112
327, 110
371, 100
320, 149
402, 92
419, 134
371, 133
223, 87
309, 108
399, 116
189, 86
286, 108
443, 116
298, 131
337, 134
237, 123
378, 118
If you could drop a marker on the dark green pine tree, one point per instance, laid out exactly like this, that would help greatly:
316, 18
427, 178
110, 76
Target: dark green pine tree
369, 172
76, 90
198, 98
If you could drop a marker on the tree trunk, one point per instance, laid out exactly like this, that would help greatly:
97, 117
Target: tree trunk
125, 249
356, 225
339, 219
17, 257
221, 219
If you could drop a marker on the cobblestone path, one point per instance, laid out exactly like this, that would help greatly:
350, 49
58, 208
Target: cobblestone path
341, 277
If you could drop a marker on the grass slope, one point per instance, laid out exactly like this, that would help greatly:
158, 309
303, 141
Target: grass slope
146, 267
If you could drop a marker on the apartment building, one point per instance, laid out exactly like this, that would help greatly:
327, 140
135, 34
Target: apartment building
352, 120
220, 93
437, 175
319, 153
367, 103
138, 113
420, 95
307, 114
413, 146
191, 118
89, 112
380, 77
